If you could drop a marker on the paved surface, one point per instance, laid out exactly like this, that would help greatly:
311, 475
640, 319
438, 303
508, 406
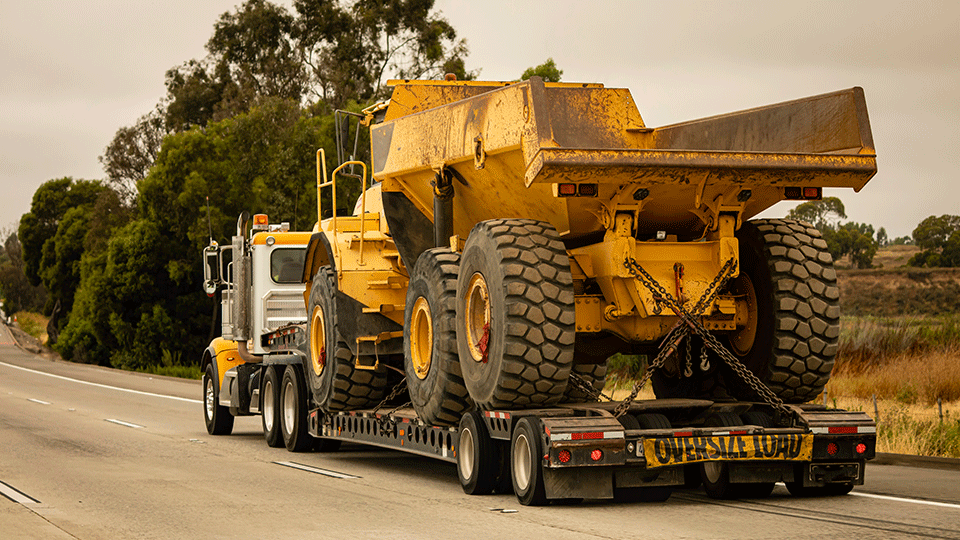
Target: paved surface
90, 453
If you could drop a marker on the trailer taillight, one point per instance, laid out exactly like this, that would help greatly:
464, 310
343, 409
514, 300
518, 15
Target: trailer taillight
861, 448
564, 456
596, 454
832, 449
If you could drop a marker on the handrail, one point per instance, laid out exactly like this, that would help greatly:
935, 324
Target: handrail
322, 182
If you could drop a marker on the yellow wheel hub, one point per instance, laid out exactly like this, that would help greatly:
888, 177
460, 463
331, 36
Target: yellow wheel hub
318, 341
742, 340
421, 337
478, 317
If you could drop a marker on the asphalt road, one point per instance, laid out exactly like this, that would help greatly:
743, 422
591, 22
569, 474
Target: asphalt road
92, 453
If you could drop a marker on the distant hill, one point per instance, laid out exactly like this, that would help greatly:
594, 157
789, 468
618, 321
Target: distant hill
893, 289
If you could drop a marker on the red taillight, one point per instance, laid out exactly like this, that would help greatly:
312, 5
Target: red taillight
811, 193
564, 456
596, 455
861, 448
832, 449
566, 190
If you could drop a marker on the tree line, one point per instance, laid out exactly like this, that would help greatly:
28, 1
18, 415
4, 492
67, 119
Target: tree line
115, 262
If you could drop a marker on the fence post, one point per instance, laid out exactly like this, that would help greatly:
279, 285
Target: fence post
824, 397
876, 411
940, 409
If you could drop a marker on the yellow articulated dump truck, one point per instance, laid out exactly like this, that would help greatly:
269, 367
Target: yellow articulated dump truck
509, 239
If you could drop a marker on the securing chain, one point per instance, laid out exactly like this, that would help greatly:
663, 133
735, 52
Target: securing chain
386, 422
584, 386
784, 415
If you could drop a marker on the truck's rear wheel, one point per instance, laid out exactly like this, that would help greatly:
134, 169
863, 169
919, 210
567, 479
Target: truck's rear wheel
789, 288
526, 463
218, 419
270, 408
515, 314
334, 379
293, 411
476, 459
431, 361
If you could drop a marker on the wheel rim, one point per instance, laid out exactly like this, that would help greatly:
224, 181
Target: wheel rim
268, 405
289, 407
521, 461
209, 398
712, 471
742, 340
421, 338
465, 458
318, 341
478, 317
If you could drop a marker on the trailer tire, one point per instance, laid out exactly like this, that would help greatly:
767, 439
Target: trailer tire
218, 419
526, 463
270, 407
431, 360
515, 314
293, 417
476, 459
790, 346
716, 475
335, 381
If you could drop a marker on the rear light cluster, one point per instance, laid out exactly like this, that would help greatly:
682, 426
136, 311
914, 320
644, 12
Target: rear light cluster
576, 190
797, 193
585, 455
841, 449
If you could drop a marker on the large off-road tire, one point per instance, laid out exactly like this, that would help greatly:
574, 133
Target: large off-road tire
788, 281
515, 314
335, 381
218, 419
431, 361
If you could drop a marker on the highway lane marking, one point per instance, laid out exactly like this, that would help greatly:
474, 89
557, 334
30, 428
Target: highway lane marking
16, 495
98, 385
315, 470
122, 423
39, 401
901, 499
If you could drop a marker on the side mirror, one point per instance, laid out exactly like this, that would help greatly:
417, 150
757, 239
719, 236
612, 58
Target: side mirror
211, 269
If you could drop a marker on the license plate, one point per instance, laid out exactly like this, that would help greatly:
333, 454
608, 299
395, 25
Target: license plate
680, 450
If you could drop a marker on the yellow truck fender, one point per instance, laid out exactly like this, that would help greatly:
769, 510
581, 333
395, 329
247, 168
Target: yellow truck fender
223, 354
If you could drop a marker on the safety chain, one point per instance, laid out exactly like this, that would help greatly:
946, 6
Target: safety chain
584, 386
784, 415
385, 421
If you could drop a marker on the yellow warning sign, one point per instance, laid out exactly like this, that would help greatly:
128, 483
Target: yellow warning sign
679, 450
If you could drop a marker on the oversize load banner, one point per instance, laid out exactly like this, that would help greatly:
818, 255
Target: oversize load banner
675, 451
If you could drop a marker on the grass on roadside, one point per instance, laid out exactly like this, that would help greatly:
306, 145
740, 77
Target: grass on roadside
34, 324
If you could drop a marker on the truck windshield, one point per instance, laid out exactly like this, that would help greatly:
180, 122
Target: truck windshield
286, 264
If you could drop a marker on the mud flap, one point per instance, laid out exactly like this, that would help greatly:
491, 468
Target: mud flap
578, 482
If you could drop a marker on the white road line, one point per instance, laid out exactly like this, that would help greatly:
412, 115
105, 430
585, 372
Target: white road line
14, 495
901, 499
38, 401
101, 385
315, 470
122, 423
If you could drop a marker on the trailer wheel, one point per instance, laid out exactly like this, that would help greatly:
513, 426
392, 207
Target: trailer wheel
716, 474
476, 459
526, 463
431, 361
293, 405
218, 419
515, 314
789, 286
335, 381
270, 408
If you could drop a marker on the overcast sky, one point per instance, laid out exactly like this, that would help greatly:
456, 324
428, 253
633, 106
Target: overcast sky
74, 71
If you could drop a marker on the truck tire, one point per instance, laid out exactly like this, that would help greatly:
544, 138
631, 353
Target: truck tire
293, 407
431, 360
476, 460
270, 407
335, 381
595, 375
515, 314
526, 463
787, 275
218, 419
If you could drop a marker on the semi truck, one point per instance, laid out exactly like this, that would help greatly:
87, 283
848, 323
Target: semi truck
515, 236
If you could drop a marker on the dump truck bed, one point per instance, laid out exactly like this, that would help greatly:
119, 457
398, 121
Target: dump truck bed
509, 147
